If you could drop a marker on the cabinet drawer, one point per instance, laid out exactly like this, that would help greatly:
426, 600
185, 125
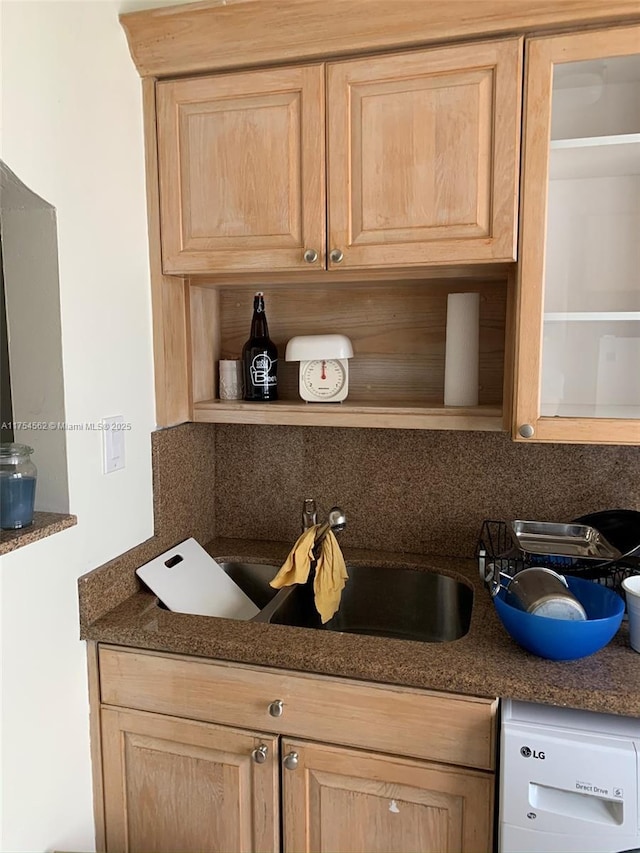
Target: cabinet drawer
397, 720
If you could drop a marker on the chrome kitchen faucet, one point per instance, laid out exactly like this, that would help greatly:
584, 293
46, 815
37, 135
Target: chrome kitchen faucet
309, 514
336, 521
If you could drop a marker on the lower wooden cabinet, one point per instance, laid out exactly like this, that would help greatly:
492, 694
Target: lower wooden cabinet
179, 786
345, 801
168, 784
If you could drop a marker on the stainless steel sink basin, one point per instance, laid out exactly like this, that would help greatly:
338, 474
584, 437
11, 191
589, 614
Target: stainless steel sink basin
400, 603
253, 579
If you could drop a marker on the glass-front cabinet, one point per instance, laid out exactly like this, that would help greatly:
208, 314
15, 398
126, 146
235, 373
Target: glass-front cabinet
578, 329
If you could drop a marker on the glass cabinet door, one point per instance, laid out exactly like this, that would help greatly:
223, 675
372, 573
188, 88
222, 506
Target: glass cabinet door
578, 353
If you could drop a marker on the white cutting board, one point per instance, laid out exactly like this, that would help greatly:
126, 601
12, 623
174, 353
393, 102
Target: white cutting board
186, 579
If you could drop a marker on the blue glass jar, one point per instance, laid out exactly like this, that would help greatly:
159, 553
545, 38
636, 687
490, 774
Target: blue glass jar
17, 486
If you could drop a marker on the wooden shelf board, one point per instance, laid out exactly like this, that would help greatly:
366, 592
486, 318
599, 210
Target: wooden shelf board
454, 277
362, 414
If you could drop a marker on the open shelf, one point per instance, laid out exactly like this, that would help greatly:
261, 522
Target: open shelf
362, 414
595, 156
396, 376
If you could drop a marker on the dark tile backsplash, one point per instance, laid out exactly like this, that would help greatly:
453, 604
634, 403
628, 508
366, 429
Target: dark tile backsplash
408, 490
402, 490
184, 483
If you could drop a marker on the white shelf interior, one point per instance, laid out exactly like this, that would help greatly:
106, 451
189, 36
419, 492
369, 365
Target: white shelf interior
591, 369
577, 410
595, 156
591, 356
591, 316
592, 258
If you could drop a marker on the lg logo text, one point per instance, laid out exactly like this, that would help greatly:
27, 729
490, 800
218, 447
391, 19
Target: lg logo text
527, 752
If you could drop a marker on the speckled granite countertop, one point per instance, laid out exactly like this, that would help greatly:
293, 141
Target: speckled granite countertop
486, 662
44, 524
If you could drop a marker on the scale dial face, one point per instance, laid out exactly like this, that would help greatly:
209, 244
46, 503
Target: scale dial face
324, 380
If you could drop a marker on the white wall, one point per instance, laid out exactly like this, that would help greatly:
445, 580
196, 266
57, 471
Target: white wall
72, 132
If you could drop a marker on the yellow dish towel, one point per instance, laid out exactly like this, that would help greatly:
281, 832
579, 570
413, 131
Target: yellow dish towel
331, 572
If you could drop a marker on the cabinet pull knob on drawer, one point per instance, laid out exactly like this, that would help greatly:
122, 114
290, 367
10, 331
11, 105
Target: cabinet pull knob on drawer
260, 753
290, 761
276, 708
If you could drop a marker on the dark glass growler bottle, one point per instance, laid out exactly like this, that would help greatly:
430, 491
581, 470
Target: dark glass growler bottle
260, 358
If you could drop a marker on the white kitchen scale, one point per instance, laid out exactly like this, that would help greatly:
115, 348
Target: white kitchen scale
324, 366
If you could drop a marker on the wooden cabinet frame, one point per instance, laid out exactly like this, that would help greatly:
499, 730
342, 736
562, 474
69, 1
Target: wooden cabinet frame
542, 53
189, 338
148, 708
211, 37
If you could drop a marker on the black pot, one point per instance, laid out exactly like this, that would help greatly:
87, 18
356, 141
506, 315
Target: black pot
621, 527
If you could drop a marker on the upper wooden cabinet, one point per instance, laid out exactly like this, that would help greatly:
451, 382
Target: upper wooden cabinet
241, 161
578, 339
393, 172
423, 156
421, 166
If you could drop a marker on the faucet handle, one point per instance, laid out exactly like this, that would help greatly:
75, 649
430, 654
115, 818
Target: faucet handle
336, 521
309, 513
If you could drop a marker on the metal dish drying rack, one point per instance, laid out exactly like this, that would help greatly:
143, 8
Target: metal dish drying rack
496, 545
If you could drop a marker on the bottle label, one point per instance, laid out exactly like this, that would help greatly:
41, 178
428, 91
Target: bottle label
263, 370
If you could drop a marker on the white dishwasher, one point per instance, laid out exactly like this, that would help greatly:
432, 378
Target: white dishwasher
568, 781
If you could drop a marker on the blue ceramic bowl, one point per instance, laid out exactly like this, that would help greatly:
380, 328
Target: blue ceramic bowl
561, 639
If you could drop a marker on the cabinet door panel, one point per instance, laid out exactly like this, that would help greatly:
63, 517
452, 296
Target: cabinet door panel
578, 362
339, 800
242, 170
178, 785
423, 155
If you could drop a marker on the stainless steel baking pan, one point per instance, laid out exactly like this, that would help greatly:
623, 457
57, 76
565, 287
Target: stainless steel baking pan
562, 540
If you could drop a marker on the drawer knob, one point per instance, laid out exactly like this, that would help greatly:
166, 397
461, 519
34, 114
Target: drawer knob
336, 256
310, 256
526, 430
260, 753
290, 761
276, 708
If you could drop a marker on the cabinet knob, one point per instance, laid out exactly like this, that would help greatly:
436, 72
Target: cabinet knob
290, 761
526, 430
310, 256
276, 708
336, 256
260, 753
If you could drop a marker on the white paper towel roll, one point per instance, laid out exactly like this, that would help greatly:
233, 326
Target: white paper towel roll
461, 354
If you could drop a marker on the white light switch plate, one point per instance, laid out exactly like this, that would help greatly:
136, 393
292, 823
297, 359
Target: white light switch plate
112, 444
